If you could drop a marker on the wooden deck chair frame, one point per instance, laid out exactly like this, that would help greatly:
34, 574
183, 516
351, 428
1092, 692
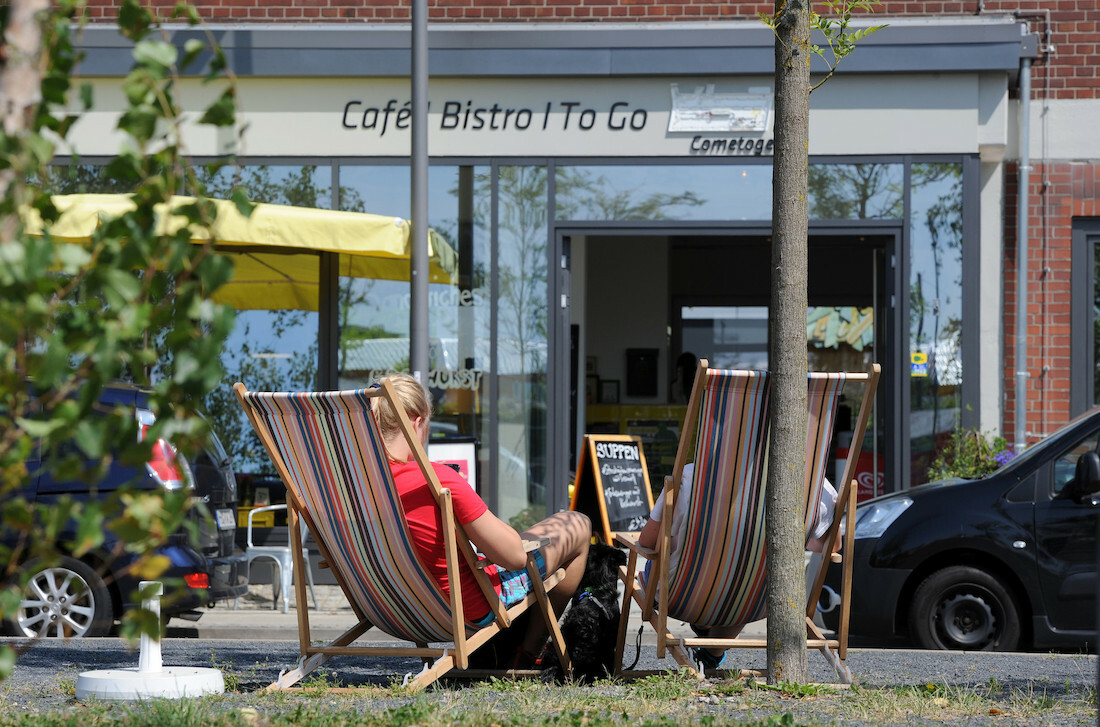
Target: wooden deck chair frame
651, 598
465, 638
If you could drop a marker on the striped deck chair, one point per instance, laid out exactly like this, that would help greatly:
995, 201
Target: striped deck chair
721, 576
328, 450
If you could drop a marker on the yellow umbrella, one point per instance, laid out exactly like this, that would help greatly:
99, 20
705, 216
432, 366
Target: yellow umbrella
274, 249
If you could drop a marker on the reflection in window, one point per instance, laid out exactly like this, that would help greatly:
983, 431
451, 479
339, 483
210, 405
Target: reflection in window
273, 346
373, 311
935, 310
729, 337
522, 341
82, 179
856, 191
1065, 467
663, 192
1095, 322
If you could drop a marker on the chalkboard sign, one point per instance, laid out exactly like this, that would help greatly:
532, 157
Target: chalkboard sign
612, 484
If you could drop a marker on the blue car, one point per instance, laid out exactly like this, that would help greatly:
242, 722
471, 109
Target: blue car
84, 597
1001, 563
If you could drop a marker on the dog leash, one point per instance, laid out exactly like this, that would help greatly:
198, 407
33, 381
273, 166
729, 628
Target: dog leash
587, 593
638, 651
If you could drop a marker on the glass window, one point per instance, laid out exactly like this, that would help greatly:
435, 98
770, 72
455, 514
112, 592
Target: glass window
522, 342
273, 346
663, 192
83, 179
856, 191
1065, 467
1095, 321
838, 338
374, 311
274, 342
729, 337
935, 310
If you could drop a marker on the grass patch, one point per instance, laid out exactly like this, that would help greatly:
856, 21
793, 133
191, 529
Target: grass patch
662, 700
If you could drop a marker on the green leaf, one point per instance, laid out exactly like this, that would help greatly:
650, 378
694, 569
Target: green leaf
87, 96
54, 362
222, 112
187, 11
139, 122
7, 661
191, 50
138, 88
72, 258
242, 202
134, 20
55, 90
89, 529
37, 427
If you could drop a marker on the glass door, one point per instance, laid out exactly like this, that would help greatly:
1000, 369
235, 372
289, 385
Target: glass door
844, 332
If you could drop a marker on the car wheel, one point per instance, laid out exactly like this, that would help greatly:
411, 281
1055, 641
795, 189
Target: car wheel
964, 608
68, 600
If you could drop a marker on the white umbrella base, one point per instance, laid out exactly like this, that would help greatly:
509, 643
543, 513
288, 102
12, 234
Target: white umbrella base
171, 682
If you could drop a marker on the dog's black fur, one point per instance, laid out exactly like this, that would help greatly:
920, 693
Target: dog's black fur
591, 622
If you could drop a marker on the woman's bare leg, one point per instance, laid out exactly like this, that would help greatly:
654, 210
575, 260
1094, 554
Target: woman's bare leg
569, 533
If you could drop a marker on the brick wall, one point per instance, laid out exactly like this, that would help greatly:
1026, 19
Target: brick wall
1060, 192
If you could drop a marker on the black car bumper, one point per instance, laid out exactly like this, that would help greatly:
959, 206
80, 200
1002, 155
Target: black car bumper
875, 594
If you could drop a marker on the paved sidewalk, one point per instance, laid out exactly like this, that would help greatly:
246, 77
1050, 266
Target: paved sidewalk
258, 618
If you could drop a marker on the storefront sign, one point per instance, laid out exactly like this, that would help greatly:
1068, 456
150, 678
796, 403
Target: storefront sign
562, 117
702, 122
706, 110
555, 116
469, 379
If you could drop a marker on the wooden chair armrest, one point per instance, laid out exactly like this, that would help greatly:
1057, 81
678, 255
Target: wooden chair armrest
630, 542
528, 546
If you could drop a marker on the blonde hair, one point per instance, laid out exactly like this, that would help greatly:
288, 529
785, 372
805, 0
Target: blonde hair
413, 396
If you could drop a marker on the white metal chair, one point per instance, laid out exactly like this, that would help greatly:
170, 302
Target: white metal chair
281, 555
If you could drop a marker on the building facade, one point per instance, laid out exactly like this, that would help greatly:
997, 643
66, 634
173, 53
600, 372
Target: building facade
602, 171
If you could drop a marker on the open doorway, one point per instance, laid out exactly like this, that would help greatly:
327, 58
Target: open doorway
652, 305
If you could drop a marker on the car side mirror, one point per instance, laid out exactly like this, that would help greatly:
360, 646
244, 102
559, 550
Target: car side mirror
1086, 479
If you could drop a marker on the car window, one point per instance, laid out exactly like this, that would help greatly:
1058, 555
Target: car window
1066, 465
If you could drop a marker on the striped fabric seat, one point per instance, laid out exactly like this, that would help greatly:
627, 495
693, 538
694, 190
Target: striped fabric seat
339, 472
822, 402
720, 578
328, 450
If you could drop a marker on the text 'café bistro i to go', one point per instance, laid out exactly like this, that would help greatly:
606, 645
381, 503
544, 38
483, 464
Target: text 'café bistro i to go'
600, 201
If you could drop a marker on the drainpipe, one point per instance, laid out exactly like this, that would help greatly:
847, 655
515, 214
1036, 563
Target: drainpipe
1023, 200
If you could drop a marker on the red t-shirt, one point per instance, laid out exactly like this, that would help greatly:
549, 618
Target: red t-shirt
426, 528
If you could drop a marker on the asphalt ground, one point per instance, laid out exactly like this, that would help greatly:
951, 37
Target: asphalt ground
251, 645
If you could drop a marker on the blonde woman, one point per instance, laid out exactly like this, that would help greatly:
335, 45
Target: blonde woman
568, 532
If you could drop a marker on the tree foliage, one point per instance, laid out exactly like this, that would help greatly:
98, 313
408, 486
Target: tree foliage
835, 26
75, 317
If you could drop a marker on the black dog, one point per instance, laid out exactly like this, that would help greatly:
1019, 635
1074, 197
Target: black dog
591, 622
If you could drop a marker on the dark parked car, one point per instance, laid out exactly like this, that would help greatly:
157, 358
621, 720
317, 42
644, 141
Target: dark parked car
1001, 563
84, 597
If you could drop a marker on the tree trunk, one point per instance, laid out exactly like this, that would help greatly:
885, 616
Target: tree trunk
787, 347
20, 84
